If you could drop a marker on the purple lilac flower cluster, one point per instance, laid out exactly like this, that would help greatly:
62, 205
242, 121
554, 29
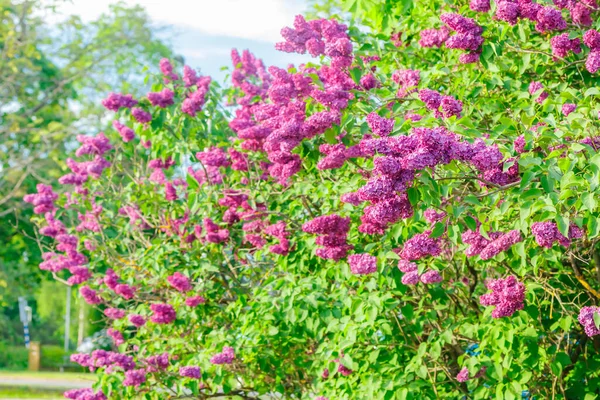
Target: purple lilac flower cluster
592, 40
586, 319
442, 106
84, 394
434, 37
225, 357
137, 320
103, 358
507, 295
408, 79
157, 362
190, 372
279, 127
402, 156
547, 233
411, 274
535, 88
562, 45
334, 232
468, 36
116, 101
162, 313
568, 108
497, 243
362, 264
180, 282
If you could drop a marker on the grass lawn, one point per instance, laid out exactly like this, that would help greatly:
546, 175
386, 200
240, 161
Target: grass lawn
13, 392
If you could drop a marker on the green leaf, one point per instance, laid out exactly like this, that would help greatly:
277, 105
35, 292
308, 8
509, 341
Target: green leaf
471, 223
563, 225
438, 230
597, 320
413, 196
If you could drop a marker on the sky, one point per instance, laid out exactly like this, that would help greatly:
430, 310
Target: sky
205, 31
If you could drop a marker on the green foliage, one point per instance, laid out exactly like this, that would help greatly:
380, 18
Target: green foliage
13, 357
291, 317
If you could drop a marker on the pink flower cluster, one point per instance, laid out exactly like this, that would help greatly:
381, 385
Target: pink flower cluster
468, 36
507, 295
116, 101
562, 45
162, 313
43, 200
586, 319
592, 40
534, 88
84, 394
362, 264
225, 357
180, 282
190, 372
497, 243
411, 274
408, 79
334, 231
450, 107
279, 127
102, 358
434, 37
547, 233
196, 99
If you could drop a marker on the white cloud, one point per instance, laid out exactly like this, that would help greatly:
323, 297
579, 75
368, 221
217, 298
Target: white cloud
202, 54
248, 19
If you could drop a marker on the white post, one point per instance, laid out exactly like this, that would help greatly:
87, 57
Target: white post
67, 318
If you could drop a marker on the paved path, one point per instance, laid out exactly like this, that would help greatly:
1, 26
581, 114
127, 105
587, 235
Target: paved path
41, 382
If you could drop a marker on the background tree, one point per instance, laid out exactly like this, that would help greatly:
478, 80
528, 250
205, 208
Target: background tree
52, 76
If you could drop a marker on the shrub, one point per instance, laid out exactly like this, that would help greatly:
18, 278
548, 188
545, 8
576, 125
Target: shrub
411, 216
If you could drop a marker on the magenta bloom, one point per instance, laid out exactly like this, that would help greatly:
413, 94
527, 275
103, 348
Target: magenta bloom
586, 319
380, 126
592, 64
116, 336
463, 375
550, 19
501, 244
568, 108
84, 394
162, 99
116, 101
480, 5
410, 278
135, 377
190, 372
344, 370
141, 116
114, 313
562, 45
162, 313
137, 320
90, 295
407, 266
362, 264
431, 276
419, 246
507, 11
546, 233
194, 301
225, 357
534, 88
180, 282
507, 295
